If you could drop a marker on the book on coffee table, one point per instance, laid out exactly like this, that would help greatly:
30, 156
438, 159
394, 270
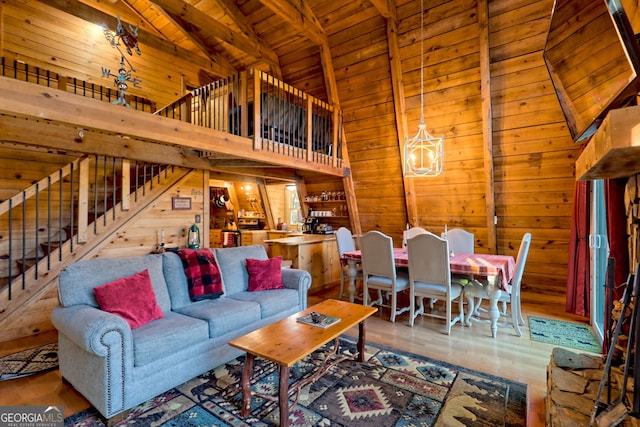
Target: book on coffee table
318, 319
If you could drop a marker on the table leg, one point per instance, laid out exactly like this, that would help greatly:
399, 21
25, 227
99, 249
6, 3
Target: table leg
352, 272
361, 339
246, 385
494, 292
471, 300
283, 399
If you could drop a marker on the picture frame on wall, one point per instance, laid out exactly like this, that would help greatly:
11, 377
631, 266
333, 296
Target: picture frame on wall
181, 203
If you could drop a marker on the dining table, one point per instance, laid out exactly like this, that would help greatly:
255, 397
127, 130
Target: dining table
491, 275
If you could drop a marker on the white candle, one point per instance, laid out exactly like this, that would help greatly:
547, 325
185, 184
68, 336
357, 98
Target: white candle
162, 236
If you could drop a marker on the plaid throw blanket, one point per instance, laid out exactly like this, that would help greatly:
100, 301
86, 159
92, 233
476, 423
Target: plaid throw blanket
203, 275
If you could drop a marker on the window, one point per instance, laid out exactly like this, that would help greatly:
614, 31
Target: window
293, 205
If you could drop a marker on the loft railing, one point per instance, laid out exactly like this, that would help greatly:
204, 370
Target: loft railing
291, 122
20, 70
48, 220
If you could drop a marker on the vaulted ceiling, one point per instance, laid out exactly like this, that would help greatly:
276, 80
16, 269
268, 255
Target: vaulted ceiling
261, 34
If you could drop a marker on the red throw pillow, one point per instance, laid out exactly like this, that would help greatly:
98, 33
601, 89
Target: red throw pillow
265, 274
131, 298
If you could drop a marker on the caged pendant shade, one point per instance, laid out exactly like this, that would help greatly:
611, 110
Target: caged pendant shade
424, 153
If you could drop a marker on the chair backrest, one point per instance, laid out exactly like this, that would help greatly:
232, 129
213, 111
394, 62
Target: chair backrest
460, 241
429, 259
521, 260
411, 232
344, 239
377, 255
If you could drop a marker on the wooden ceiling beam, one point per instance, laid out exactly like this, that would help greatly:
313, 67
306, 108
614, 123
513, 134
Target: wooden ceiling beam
399, 107
386, 8
203, 21
195, 39
232, 11
300, 16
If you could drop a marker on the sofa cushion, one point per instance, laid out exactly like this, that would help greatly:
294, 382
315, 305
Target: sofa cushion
131, 298
223, 315
76, 281
264, 274
203, 275
232, 264
272, 301
165, 336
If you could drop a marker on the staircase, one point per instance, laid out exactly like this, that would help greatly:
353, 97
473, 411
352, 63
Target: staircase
66, 217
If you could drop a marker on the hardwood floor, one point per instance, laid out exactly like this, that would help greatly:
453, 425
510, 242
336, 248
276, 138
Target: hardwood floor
517, 358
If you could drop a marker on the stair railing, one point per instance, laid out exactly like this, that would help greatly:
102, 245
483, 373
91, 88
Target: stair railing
67, 206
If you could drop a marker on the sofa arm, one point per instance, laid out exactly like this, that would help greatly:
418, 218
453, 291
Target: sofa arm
89, 328
299, 280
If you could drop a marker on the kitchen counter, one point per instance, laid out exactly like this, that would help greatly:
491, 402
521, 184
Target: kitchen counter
315, 253
302, 239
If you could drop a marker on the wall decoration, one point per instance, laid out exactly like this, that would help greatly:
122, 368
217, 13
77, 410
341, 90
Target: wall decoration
128, 38
181, 203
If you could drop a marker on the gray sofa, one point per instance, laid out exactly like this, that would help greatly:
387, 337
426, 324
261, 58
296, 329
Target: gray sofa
116, 367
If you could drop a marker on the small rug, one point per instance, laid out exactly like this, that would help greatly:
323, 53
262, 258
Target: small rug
29, 362
562, 333
393, 388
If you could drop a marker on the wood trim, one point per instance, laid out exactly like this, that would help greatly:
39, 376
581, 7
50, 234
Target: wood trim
266, 203
397, 87
27, 106
83, 201
487, 125
126, 184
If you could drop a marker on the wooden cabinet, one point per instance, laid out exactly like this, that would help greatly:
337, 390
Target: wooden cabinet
247, 239
331, 261
215, 238
316, 254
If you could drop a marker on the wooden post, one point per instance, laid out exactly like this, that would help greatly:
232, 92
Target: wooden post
309, 128
83, 200
487, 127
397, 86
125, 191
257, 120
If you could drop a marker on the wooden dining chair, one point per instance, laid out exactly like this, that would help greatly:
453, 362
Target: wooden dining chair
430, 277
410, 232
345, 242
379, 271
511, 304
460, 240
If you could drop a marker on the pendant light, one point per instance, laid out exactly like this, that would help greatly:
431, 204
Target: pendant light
424, 153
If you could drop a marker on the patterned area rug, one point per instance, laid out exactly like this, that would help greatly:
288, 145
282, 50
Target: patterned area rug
562, 333
392, 388
29, 362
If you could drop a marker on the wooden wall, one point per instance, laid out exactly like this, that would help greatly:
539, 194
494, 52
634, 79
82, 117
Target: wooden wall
533, 154
139, 237
43, 36
533, 164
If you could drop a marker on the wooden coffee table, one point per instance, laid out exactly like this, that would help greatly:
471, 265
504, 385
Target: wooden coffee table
288, 341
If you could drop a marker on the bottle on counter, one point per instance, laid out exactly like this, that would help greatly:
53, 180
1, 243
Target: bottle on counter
279, 225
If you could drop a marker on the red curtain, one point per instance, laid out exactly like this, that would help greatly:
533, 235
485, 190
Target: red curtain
578, 298
617, 236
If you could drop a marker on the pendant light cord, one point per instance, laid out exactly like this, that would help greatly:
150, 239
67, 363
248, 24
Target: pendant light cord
421, 62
